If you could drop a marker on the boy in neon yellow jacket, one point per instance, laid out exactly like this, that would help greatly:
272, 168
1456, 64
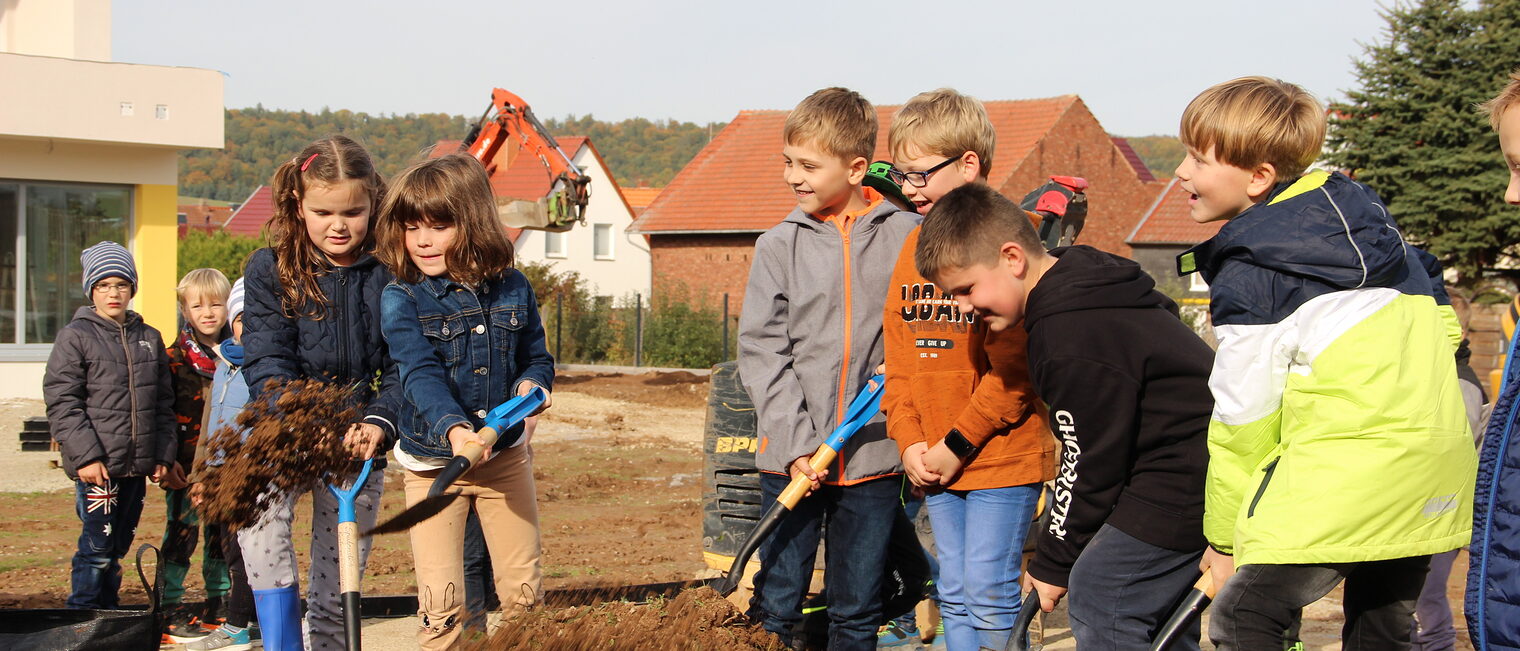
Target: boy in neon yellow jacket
1339, 446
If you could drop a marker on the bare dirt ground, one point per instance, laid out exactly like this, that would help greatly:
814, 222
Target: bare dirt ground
618, 464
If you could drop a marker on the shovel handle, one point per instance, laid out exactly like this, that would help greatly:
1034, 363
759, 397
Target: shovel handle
1187, 610
1019, 641
800, 484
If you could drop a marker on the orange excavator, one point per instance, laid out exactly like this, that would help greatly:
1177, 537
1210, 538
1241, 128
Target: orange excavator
508, 116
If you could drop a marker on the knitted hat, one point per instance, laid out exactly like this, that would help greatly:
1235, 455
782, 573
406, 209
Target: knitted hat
235, 301
107, 260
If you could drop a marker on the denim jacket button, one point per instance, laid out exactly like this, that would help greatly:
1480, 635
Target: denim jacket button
445, 330
514, 320
480, 371
480, 414
480, 330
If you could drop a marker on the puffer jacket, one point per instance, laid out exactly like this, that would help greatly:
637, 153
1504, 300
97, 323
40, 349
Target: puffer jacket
1493, 605
1339, 433
344, 346
110, 396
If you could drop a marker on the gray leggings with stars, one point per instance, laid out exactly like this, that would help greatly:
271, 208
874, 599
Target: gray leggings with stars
269, 555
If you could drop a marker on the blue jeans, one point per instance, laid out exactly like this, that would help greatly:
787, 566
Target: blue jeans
109, 516
858, 519
1122, 590
979, 538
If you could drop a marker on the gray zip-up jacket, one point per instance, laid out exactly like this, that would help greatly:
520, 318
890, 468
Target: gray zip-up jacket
810, 336
110, 396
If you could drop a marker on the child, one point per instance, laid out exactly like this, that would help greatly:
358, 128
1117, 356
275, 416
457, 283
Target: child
1493, 568
1334, 382
950, 381
228, 395
809, 338
1126, 383
203, 305
110, 404
464, 329
313, 311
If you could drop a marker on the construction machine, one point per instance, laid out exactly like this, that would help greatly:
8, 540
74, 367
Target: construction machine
509, 117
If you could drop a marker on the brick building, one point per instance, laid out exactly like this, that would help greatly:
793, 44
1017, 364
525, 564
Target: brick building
702, 228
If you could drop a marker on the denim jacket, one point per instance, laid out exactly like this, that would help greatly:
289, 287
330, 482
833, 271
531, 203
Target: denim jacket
461, 352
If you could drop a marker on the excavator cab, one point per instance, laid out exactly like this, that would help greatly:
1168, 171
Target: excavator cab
1062, 207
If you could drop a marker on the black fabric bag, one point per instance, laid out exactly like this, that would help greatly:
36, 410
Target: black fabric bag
59, 629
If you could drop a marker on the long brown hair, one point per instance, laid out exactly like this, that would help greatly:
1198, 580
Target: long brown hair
454, 190
298, 261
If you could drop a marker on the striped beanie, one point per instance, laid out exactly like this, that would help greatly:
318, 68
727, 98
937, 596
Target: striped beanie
235, 301
107, 260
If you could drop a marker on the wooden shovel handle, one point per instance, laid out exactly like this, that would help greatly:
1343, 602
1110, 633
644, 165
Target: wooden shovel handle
800, 484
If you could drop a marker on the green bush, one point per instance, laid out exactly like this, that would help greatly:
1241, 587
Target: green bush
681, 334
220, 250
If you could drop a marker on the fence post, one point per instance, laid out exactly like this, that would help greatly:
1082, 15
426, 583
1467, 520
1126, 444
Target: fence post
559, 320
724, 357
638, 329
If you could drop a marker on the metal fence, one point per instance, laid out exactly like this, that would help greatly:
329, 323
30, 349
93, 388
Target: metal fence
633, 332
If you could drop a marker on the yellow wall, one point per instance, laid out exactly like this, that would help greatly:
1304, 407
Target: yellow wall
154, 249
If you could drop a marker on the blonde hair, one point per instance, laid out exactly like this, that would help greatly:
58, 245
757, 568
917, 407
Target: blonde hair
1254, 120
451, 190
1500, 103
943, 122
969, 227
205, 283
837, 120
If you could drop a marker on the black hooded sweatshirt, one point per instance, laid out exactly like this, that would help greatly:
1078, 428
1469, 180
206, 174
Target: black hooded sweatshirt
1127, 385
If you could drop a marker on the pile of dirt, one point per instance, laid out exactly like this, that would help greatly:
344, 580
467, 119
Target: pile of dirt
661, 389
293, 440
696, 619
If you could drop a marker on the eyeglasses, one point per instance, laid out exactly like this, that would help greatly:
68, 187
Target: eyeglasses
916, 179
113, 288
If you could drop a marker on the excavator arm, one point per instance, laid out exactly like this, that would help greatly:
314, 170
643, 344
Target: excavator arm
510, 117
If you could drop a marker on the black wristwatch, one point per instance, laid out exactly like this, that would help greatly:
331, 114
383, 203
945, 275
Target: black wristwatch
958, 444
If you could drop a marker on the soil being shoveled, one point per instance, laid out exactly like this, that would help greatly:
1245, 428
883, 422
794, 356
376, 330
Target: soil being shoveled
698, 618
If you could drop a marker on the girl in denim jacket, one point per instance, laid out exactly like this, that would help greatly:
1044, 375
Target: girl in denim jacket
463, 327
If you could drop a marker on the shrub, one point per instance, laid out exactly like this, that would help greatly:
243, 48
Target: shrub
220, 250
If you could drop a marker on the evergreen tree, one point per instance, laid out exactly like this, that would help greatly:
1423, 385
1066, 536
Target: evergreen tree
1412, 132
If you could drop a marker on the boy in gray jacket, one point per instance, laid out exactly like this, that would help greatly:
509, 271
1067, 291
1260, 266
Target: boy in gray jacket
110, 404
809, 338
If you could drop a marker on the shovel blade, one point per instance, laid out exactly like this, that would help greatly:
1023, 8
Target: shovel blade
414, 514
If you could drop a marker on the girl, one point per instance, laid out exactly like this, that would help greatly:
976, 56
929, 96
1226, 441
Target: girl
464, 328
312, 311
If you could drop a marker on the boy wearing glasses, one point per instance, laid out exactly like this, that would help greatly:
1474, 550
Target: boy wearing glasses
809, 338
958, 397
110, 404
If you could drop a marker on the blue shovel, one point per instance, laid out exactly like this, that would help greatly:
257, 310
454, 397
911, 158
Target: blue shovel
503, 417
865, 407
348, 554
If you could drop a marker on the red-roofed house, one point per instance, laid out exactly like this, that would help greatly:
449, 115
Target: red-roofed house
197, 217
708, 217
1165, 231
248, 220
602, 251
639, 198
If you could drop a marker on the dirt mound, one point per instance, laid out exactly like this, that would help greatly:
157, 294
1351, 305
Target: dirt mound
696, 619
293, 440
674, 389
674, 377
579, 378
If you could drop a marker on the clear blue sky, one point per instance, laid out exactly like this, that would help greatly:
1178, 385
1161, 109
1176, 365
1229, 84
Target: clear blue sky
1136, 64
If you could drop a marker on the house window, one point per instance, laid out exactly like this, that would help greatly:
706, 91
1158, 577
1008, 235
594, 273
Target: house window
1196, 283
554, 245
43, 228
602, 241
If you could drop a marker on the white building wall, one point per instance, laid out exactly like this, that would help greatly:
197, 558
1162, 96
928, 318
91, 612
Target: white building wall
628, 270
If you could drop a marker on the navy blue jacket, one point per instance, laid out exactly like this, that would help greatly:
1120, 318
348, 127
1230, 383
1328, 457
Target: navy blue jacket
1493, 602
461, 352
343, 346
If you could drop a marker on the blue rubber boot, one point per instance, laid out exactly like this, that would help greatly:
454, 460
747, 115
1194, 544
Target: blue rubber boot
279, 612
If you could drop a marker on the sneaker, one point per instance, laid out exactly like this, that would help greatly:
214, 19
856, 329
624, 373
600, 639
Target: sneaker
896, 634
214, 614
181, 625
222, 639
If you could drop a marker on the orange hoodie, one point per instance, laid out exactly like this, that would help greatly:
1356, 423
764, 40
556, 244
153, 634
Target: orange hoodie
945, 369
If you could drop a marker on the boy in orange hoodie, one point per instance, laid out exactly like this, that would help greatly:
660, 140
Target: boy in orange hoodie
958, 397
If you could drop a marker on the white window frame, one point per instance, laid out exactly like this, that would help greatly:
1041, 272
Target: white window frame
1196, 283
611, 242
552, 238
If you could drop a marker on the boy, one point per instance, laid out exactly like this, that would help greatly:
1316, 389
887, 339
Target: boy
203, 306
229, 393
1491, 603
1339, 448
110, 406
957, 394
1126, 384
809, 338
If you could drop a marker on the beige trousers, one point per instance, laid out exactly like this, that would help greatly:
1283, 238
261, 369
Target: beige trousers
503, 493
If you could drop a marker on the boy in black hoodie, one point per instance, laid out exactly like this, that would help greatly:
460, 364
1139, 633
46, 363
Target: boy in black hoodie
1127, 386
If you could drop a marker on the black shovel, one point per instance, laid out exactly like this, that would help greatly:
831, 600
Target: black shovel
503, 417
